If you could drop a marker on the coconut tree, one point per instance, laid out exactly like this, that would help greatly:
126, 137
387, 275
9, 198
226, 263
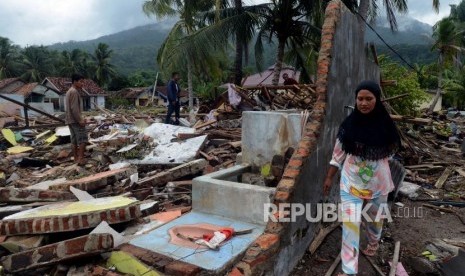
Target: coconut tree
72, 62
104, 70
37, 63
9, 59
288, 22
173, 53
447, 42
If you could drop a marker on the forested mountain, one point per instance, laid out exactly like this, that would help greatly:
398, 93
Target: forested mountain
133, 49
136, 49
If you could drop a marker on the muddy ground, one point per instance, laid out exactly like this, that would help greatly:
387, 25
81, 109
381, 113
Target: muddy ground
413, 230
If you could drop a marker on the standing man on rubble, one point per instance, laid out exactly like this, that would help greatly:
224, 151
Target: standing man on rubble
173, 95
74, 119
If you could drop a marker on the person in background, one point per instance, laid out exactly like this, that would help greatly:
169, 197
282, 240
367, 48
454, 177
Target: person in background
173, 94
74, 119
366, 140
288, 80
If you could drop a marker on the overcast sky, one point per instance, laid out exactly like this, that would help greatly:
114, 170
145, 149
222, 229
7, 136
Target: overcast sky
43, 22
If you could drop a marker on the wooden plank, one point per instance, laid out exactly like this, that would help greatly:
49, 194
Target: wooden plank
447, 172
205, 124
322, 234
395, 259
411, 120
460, 171
396, 97
185, 136
333, 266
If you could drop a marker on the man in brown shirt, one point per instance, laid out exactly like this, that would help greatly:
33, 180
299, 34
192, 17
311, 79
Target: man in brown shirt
74, 120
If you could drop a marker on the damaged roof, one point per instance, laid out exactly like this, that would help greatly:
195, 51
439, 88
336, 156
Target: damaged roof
5, 82
131, 92
61, 85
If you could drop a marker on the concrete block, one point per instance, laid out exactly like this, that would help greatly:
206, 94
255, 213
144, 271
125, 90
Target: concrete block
71, 216
212, 194
85, 246
164, 177
265, 134
30, 196
96, 181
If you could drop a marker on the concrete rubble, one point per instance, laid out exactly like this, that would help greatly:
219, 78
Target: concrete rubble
138, 177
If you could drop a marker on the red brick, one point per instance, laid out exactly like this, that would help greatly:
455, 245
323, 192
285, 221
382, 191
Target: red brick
177, 268
258, 260
235, 272
100, 271
252, 253
84, 246
267, 241
286, 184
146, 256
274, 227
291, 173
296, 163
281, 196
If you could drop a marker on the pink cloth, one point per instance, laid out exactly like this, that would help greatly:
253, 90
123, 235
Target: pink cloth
362, 178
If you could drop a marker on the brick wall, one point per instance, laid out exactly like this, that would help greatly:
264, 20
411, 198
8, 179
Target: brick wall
342, 64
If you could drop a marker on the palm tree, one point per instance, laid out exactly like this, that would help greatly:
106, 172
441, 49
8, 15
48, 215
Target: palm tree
104, 70
454, 85
447, 42
72, 62
290, 23
173, 53
37, 63
9, 59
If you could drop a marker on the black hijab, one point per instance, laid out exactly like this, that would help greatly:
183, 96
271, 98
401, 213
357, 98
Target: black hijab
371, 136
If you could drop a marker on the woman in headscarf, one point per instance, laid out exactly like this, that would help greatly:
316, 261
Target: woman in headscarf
366, 140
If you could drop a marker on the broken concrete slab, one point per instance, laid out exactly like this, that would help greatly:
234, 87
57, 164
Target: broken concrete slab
71, 216
173, 153
190, 168
29, 195
96, 181
85, 246
9, 210
164, 133
149, 207
45, 185
80, 195
104, 227
15, 244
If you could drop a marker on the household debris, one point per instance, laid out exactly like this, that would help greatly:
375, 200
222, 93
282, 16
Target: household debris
132, 155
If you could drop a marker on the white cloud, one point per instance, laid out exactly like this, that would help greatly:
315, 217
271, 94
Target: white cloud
43, 22
422, 10
27, 22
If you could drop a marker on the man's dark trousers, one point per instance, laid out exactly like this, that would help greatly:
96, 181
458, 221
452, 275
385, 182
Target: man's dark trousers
173, 108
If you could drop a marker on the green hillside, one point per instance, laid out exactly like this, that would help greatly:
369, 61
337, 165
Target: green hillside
133, 49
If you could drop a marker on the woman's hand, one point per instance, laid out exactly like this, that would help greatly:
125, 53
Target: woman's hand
327, 186
329, 180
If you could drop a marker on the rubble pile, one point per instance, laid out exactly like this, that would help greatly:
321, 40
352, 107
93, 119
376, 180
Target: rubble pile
138, 176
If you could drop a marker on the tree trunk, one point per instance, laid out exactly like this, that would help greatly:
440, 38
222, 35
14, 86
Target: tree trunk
189, 84
279, 62
363, 11
438, 91
239, 49
437, 96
